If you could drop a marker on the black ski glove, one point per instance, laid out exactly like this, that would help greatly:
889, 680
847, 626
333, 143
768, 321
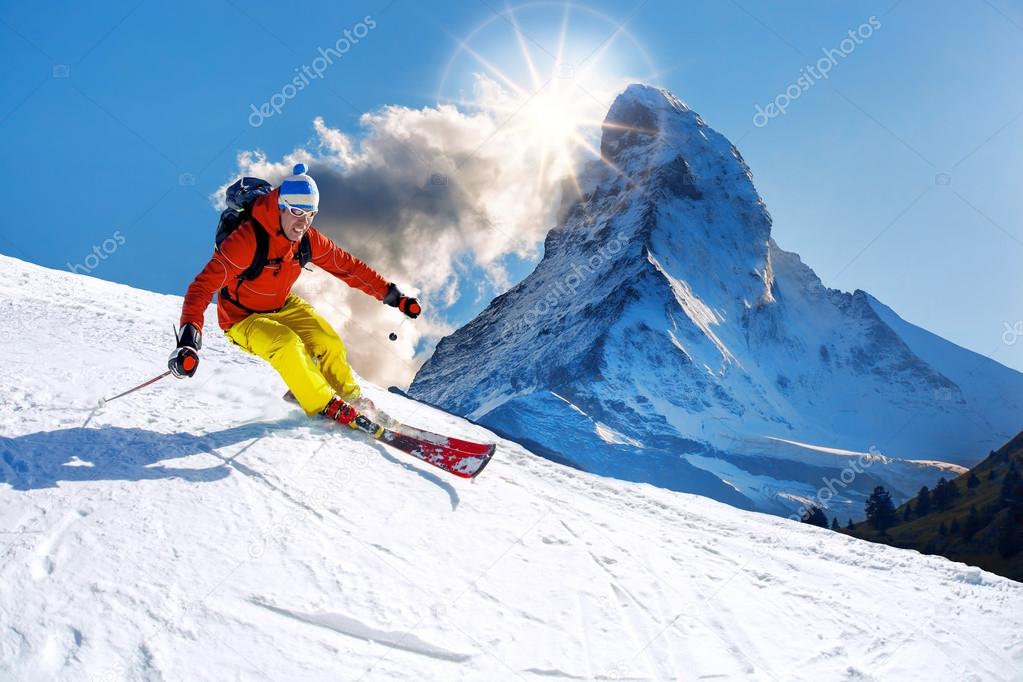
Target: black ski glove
395, 299
185, 359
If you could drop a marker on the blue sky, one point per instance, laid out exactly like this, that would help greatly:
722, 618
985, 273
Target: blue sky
898, 174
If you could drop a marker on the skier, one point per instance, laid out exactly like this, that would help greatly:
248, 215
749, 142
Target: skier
263, 317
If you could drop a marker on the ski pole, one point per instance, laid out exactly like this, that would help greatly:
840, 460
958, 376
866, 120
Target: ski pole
104, 401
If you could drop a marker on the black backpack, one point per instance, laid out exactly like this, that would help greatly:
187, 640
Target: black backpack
240, 197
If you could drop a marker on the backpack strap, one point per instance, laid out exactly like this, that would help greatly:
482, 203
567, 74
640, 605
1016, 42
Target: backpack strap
260, 261
303, 254
234, 301
305, 251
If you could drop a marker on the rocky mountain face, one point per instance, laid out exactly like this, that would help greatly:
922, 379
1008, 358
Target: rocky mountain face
665, 337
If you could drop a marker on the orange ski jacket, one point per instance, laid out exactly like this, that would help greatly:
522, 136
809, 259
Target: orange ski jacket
268, 291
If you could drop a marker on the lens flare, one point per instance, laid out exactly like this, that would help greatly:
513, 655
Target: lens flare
547, 72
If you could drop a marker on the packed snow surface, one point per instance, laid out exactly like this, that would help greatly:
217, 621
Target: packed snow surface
205, 529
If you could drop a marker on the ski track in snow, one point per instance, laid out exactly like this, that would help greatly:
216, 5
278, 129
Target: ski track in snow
203, 529
351, 627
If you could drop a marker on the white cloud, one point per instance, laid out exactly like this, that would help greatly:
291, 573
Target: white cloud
419, 191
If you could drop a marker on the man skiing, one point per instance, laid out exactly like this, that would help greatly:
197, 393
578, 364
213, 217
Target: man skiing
263, 317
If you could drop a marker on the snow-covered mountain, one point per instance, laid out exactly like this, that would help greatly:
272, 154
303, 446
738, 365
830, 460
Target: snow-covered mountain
206, 530
665, 337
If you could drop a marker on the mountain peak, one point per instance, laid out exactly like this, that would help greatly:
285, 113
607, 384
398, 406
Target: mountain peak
650, 97
665, 336
637, 117
657, 141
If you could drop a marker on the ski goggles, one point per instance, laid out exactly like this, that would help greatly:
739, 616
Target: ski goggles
298, 212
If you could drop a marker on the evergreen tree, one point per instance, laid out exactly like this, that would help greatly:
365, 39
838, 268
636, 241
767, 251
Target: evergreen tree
952, 492
1009, 539
908, 513
923, 503
972, 482
973, 523
815, 517
945, 494
1012, 487
880, 509
954, 528
992, 475
940, 496
850, 525
942, 529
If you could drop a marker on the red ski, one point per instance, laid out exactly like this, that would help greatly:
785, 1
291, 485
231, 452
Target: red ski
466, 446
380, 417
458, 462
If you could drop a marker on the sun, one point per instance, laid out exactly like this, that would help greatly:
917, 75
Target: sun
547, 72
558, 119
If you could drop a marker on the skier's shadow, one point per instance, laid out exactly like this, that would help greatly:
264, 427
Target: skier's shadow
112, 453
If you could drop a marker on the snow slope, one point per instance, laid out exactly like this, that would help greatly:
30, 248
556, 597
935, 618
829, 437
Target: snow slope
204, 529
664, 312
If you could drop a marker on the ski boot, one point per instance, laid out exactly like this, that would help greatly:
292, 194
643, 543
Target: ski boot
341, 412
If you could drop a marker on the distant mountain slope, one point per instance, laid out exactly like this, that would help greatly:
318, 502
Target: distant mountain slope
982, 524
664, 329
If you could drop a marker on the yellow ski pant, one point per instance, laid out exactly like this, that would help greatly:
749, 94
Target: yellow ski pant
289, 340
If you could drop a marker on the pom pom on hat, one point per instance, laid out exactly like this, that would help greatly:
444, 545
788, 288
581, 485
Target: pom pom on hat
299, 190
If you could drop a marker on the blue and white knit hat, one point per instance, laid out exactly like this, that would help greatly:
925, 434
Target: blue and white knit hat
300, 190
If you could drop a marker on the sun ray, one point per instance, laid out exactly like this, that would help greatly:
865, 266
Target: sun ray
619, 30
542, 171
592, 122
554, 123
522, 92
562, 36
620, 126
575, 182
582, 142
521, 39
